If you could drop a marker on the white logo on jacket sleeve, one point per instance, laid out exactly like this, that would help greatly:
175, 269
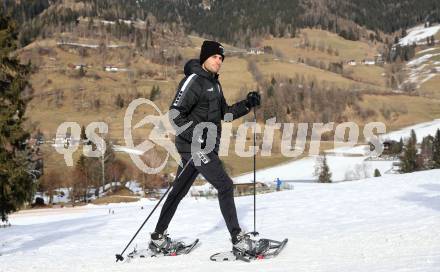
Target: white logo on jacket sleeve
181, 93
210, 89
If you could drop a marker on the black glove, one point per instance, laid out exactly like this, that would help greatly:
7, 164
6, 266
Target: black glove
253, 99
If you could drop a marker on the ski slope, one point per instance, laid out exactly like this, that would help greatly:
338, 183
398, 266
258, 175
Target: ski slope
345, 163
422, 130
341, 167
379, 224
419, 34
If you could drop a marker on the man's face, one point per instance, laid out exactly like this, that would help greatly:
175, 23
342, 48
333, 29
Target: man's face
213, 63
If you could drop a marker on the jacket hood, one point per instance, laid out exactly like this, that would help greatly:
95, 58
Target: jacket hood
193, 67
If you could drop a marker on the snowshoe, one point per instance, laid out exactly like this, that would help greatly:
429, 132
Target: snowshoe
249, 250
163, 246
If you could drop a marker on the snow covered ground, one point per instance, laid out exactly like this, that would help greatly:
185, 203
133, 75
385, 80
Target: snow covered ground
421, 68
345, 163
379, 224
419, 34
342, 168
422, 130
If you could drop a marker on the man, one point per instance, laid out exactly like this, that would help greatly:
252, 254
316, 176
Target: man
279, 182
200, 98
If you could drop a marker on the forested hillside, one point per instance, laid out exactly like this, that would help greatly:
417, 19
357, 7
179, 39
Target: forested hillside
237, 21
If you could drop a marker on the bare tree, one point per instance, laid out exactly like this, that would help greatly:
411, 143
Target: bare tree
50, 181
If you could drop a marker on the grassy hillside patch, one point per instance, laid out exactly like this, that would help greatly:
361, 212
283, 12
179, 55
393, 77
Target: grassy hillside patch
346, 49
369, 74
430, 50
234, 76
322, 48
436, 58
431, 87
291, 51
291, 70
404, 110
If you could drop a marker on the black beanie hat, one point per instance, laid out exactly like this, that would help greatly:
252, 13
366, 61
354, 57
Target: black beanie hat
210, 48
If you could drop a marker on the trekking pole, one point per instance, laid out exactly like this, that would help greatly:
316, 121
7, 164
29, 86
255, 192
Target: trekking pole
119, 256
255, 233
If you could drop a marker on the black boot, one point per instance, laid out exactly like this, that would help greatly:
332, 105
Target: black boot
243, 244
160, 242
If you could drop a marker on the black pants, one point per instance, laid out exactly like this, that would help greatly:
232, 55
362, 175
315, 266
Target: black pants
215, 174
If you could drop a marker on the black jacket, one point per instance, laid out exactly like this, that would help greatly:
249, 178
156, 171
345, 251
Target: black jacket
199, 98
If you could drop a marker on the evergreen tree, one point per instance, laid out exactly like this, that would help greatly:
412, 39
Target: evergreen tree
377, 173
16, 177
83, 133
426, 149
403, 33
322, 170
397, 147
436, 150
119, 101
155, 93
109, 163
401, 144
82, 71
408, 161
